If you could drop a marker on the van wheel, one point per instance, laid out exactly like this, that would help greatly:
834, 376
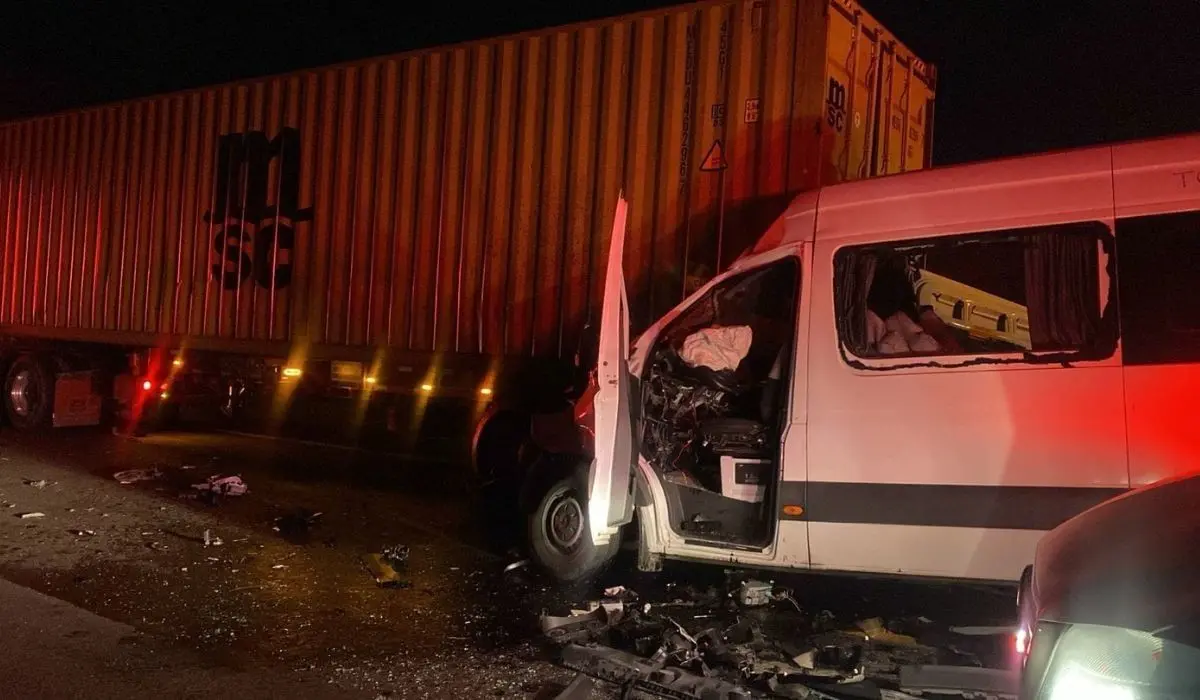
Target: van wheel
560, 538
29, 393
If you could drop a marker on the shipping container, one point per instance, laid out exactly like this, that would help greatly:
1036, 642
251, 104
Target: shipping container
453, 202
454, 199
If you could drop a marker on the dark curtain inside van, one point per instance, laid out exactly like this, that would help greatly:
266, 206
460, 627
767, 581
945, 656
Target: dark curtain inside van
853, 275
1062, 282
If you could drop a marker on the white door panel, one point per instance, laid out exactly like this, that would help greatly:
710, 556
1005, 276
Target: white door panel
610, 502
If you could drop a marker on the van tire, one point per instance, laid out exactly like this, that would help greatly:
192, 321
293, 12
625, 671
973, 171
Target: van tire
560, 539
29, 393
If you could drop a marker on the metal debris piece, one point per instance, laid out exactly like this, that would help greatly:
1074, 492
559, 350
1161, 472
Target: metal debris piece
607, 664
385, 576
575, 627
294, 527
877, 632
516, 565
130, 476
396, 555
983, 631
223, 486
754, 593
965, 681
672, 683
26, 516
580, 688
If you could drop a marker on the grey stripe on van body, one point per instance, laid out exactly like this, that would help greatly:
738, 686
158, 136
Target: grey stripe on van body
939, 505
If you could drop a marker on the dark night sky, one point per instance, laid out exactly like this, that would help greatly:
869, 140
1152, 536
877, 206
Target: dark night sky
1015, 76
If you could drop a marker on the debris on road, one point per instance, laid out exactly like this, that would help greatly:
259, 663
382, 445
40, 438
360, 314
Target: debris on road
39, 484
983, 631
130, 476
580, 688
752, 641
965, 681
223, 486
396, 555
385, 576
26, 516
295, 527
753, 593
83, 533
877, 632
520, 564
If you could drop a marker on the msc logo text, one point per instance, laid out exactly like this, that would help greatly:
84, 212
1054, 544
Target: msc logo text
256, 208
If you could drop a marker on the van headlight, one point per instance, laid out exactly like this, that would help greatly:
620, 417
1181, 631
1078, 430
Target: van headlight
1094, 662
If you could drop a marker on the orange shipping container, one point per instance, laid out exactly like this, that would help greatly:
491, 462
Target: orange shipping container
451, 200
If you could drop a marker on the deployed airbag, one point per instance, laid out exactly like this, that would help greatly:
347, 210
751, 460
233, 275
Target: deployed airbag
717, 348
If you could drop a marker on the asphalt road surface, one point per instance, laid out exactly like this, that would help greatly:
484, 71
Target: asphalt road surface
112, 592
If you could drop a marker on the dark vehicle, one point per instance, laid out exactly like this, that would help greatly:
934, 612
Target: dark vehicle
1110, 608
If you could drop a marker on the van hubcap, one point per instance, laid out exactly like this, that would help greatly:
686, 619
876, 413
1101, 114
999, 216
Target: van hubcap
564, 522
23, 394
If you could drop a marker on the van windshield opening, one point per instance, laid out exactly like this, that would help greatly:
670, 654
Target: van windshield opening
714, 401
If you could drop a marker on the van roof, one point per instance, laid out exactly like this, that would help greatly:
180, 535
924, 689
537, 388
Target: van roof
1064, 185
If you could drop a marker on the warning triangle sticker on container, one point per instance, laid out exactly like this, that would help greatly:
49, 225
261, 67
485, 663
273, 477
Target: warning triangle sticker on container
715, 160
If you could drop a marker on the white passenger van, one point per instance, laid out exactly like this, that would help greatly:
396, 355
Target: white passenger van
940, 366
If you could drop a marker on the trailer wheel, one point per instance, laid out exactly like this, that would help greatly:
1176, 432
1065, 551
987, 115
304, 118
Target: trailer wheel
29, 393
560, 538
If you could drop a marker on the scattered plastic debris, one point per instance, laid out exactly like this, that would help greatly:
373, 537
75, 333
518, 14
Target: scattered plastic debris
130, 476
736, 644
385, 576
210, 541
983, 631
877, 632
516, 565
26, 516
396, 555
754, 593
277, 567
223, 486
582, 687
295, 527
965, 681
39, 484
83, 533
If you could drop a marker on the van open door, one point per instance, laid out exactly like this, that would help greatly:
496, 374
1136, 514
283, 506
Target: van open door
610, 502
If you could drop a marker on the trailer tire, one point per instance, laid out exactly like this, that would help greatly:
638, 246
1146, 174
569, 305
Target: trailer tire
560, 538
29, 393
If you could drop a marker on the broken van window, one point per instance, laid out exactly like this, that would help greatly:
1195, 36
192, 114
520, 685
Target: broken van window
1004, 292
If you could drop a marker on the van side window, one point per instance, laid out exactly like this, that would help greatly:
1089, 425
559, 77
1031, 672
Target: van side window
1158, 258
1001, 292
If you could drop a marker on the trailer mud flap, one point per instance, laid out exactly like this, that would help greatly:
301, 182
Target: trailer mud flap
76, 401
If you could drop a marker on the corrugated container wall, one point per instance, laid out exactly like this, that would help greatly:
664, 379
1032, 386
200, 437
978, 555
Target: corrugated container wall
457, 199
